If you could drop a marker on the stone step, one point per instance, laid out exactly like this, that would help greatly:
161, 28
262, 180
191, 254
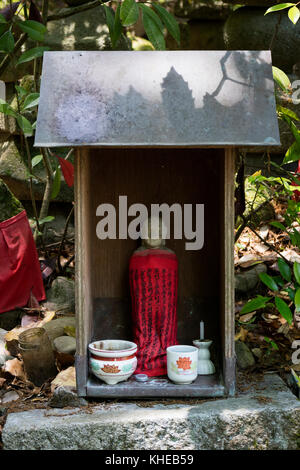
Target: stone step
267, 416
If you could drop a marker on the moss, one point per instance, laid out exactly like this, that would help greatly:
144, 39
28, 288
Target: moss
9, 204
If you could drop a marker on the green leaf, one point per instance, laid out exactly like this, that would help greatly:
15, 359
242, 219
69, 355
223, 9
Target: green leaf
2, 19
117, 27
281, 78
110, 20
155, 18
36, 160
32, 54
287, 112
129, 12
281, 6
34, 29
291, 293
295, 237
270, 341
255, 304
56, 183
49, 218
295, 132
21, 91
292, 154
297, 300
278, 225
31, 101
284, 269
169, 21
25, 125
7, 42
6, 109
294, 14
153, 30
284, 310
296, 269
268, 281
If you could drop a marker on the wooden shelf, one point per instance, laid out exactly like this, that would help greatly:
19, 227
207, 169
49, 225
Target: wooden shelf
203, 386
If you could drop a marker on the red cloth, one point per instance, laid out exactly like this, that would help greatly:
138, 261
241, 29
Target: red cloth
19, 265
153, 277
296, 194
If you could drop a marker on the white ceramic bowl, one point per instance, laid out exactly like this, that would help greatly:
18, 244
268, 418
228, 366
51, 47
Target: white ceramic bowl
112, 360
182, 363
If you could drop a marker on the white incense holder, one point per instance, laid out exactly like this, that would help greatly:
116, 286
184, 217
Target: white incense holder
205, 365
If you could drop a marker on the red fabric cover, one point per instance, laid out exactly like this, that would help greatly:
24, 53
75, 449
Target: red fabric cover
19, 265
153, 277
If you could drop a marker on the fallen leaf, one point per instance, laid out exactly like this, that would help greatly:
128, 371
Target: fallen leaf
264, 232
15, 368
66, 378
245, 318
241, 335
2, 381
284, 329
248, 260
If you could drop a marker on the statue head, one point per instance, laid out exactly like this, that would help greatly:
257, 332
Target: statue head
153, 232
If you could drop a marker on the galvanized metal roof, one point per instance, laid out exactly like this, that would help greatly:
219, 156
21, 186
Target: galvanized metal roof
157, 98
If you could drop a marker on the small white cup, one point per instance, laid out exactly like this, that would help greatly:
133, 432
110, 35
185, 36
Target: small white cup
182, 364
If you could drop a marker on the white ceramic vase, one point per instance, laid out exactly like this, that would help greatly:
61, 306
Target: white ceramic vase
182, 364
113, 360
205, 365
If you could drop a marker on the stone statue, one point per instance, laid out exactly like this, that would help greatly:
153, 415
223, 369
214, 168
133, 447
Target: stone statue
153, 273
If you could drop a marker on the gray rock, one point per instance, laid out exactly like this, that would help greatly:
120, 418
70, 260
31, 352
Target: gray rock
194, 9
10, 396
14, 172
9, 204
9, 320
248, 28
244, 357
61, 295
66, 396
264, 418
54, 230
257, 352
84, 31
246, 281
65, 344
55, 328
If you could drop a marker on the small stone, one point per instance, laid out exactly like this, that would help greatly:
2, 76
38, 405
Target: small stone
10, 396
55, 328
65, 344
66, 396
61, 296
257, 352
248, 280
244, 356
9, 320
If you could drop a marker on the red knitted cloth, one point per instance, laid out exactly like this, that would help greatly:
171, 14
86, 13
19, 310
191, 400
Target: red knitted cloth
153, 277
20, 271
